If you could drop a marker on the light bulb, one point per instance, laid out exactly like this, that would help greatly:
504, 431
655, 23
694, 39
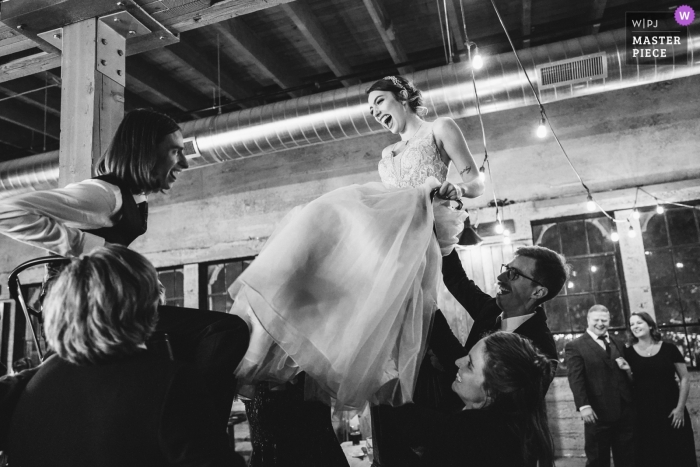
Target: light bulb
499, 228
659, 209
614, 236
506, 232
477, 61
590, 205
631, 233
635, 214
506, 240
482, 174
541, 129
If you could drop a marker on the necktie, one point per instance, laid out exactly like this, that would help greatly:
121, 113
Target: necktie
604, 338
499, 321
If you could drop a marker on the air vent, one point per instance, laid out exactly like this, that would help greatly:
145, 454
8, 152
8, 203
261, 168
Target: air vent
573, 70
191, 151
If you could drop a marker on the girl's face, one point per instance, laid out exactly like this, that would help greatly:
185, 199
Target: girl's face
639, 327
387, 110
469, 383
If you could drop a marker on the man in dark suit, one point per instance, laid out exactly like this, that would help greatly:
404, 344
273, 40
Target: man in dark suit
602, 392
536, 275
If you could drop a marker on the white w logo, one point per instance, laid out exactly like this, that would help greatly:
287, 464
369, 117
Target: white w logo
685, 15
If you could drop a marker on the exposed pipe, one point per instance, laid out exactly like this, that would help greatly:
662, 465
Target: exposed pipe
343, 113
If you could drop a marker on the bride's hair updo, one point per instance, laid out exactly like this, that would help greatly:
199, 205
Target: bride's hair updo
403, 90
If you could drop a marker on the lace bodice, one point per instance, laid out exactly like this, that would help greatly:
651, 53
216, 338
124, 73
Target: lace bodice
420, 160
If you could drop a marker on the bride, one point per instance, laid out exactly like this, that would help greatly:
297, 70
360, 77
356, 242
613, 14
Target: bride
345, 288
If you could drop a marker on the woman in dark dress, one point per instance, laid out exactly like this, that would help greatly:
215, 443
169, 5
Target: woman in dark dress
663, 434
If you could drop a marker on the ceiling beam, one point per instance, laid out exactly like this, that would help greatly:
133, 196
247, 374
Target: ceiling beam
239, 40
596, 15
134, 101
29, 118
149, 78
527, 23
310, 27
220, 11
29, 66
454, 17
385, 27
191, 58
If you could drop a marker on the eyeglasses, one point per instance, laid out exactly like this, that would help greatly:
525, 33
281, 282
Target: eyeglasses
513, 274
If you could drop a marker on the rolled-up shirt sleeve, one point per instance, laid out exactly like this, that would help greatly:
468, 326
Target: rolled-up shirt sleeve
53, 219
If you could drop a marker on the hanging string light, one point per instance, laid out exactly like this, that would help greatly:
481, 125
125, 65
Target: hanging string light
614, 236
631, 233
659, 209
482, 173
477, 61
542, 127
590, 205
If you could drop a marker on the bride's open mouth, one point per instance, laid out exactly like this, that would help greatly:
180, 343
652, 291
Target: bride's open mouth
386, 121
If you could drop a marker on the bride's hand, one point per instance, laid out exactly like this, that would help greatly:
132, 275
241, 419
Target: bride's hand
450, 191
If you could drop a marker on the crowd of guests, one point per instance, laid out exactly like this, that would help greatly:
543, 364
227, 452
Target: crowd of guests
105, 397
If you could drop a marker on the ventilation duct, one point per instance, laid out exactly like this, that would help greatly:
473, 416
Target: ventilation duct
577, 67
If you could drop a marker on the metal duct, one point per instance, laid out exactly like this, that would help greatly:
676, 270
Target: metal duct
38, 172
447, 91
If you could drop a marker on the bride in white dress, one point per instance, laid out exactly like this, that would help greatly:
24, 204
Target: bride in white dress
346, 287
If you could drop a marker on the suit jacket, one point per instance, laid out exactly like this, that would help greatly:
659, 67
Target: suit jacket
595, 379
140, 411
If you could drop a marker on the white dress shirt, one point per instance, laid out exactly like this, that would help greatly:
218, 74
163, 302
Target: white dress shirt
511, 324
53, 219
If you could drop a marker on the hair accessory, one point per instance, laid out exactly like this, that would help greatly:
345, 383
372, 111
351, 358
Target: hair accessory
396, 82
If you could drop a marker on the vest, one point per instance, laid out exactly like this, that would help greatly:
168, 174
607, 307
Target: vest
131, 220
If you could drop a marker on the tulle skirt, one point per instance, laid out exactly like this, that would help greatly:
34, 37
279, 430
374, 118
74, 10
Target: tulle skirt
345, 290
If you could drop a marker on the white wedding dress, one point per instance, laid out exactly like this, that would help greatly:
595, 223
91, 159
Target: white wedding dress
346, 287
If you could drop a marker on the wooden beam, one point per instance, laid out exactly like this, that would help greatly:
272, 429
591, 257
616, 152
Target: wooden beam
29, 118
239, 40
29, 66
191, 58
384, 26
14, 44
307, 23
134, 101
220, 11
527, 23
596, 16
139, 72
454, 18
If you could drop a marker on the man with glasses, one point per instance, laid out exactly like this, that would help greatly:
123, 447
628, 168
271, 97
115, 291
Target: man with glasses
536, 275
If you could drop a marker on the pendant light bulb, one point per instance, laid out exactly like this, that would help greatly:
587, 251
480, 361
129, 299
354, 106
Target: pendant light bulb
614, 236
635, 214
542, 128
631, 233
499, 228
477, 61
590, 205
482, 174
659, 209
506, 240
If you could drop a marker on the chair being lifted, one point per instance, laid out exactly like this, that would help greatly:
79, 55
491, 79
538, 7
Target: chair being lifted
15, 287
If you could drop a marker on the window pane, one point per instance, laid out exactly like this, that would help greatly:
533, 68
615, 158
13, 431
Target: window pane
690, 298
573, 238
693, 344
561, 340
599, 235
547, 235
681, 226
661, 268
687, 264
578, 310
666, 305
175, 302
557, 315
604, 273
613, 302
233, 270
580, 278
215, 273
178, 283
653, 230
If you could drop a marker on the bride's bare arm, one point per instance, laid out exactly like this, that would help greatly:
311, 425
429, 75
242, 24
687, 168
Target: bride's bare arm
453, 147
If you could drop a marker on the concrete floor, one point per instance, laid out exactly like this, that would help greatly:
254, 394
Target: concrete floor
571, 462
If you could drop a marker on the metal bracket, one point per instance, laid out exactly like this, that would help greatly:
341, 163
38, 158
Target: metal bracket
53, 37
111, 50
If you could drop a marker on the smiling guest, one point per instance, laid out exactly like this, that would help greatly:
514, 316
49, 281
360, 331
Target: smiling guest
536, 275
602, 392
502, 383
663, 433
